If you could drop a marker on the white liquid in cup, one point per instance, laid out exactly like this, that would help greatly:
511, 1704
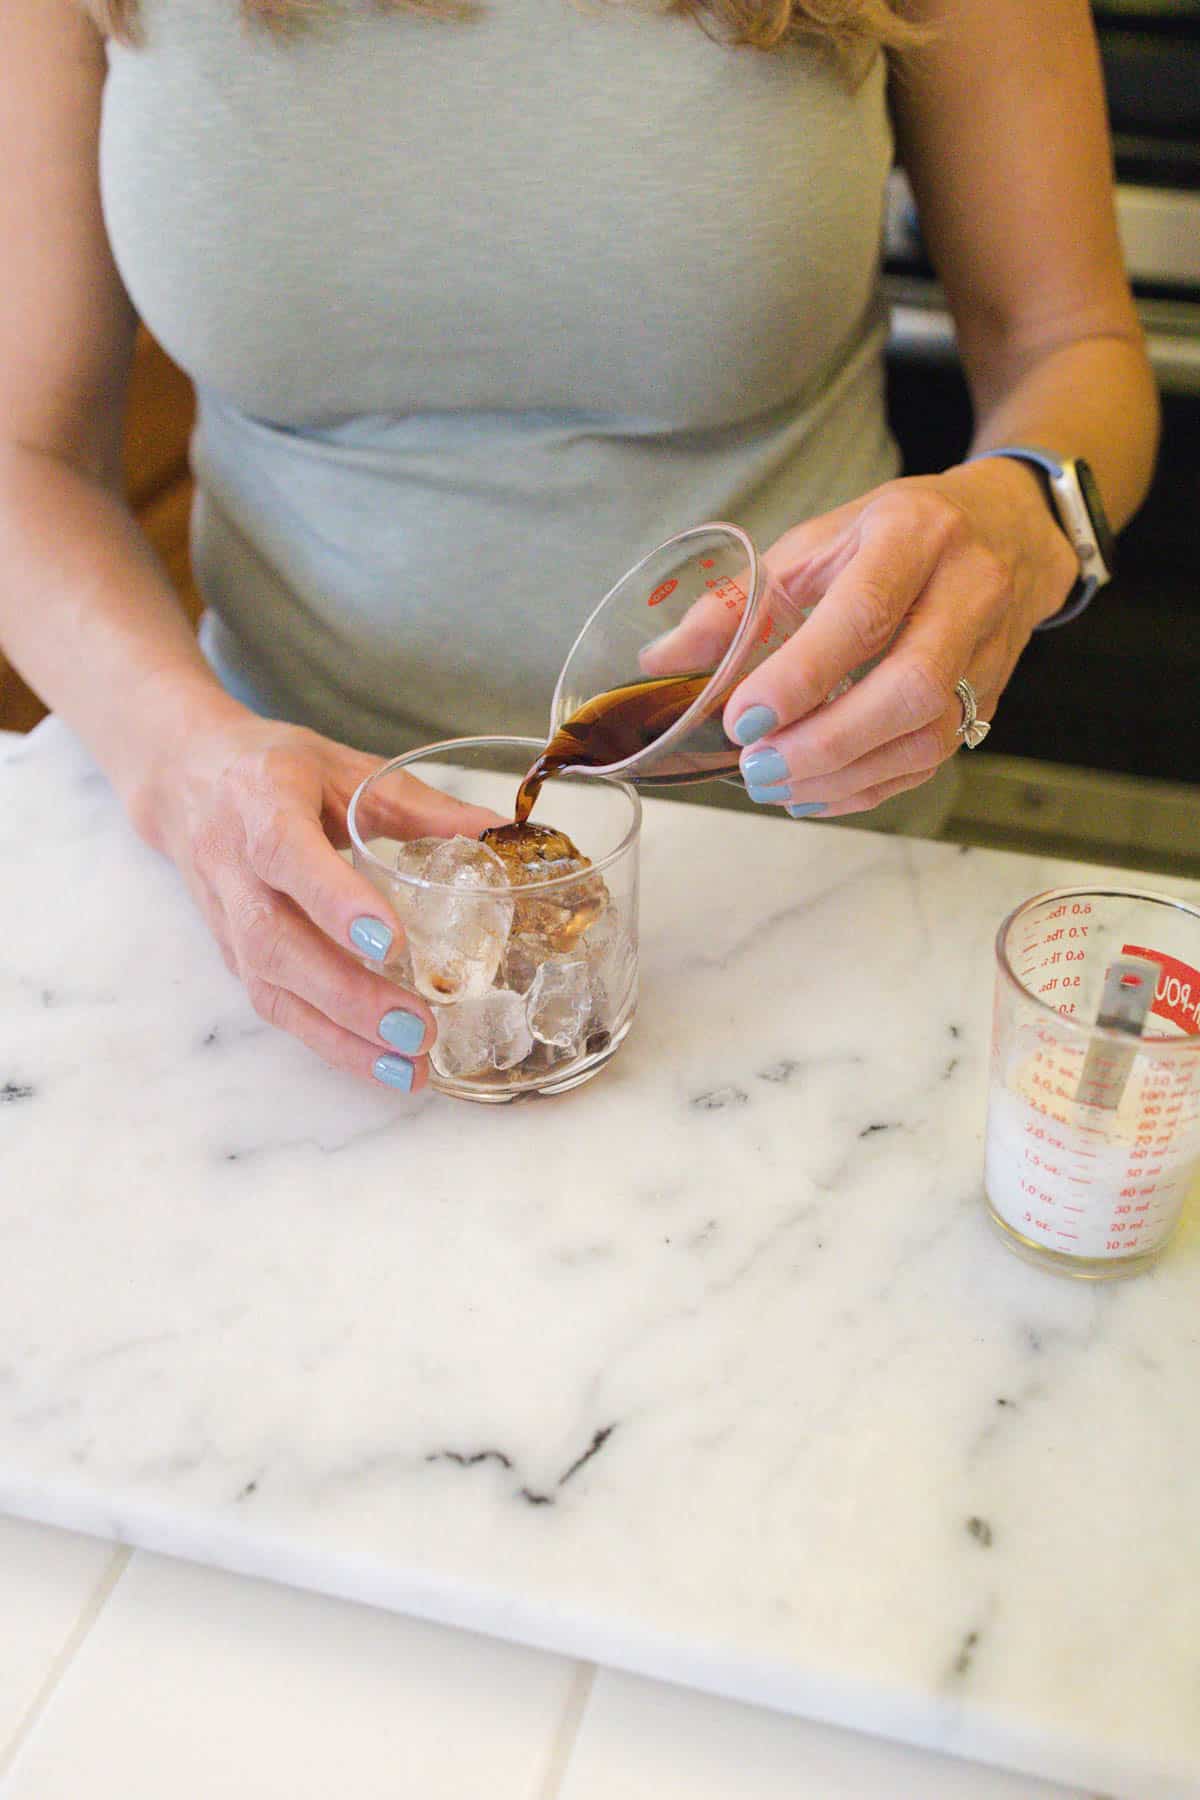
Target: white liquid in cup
1084, 1181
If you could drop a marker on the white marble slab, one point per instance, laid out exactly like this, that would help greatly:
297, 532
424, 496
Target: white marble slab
644, 1740
204, 1686
51, 1585
851, 1459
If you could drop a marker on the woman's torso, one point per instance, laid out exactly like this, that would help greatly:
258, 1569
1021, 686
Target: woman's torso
477, 312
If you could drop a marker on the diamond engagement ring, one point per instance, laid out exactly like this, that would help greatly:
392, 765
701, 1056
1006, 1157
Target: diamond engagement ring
973, 729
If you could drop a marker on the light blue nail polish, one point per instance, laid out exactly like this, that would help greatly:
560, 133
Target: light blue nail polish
770, 796
394, 1072
753, 724
372, 937
762, 767
806, 810
402, 1030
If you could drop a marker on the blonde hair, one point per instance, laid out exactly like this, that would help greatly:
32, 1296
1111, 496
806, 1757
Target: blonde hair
855, 27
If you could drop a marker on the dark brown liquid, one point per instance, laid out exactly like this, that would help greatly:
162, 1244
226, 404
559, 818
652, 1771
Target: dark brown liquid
611, 727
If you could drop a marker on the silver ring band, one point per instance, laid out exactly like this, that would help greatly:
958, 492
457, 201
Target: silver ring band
972, 730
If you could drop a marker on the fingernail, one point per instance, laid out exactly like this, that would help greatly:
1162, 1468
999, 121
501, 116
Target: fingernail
762, 767
372, 937
394, 1072
753, 724
402, 1030
807, 809
770, 795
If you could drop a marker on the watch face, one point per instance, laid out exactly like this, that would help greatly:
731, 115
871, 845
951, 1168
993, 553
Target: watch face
1095, 506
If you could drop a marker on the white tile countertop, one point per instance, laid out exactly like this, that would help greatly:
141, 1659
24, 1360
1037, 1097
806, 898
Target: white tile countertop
745, 1396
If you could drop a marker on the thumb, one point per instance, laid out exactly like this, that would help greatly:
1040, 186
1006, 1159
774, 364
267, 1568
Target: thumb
697, 642
400, 807
409, 808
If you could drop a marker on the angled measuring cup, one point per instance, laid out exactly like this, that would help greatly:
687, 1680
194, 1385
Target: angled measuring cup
687, 624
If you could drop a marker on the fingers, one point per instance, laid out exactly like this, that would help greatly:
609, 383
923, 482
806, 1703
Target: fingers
301, 982
859, 614
938, 604
291, 915
895, 722
290, 853
340, 1049
700, 639
802, 562
274, 943
872, 796
916, 756
837, 782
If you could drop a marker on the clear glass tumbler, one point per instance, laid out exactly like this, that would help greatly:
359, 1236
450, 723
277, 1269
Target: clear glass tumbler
1093, 1135
533, 982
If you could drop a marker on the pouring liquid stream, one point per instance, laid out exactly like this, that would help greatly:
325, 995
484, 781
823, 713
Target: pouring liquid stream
614, 725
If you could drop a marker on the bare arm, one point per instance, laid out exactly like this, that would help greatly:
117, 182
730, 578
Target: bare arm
242, 805
86, 613
1001, 126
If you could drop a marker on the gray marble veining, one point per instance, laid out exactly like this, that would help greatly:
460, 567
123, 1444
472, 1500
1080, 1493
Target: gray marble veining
711, 1369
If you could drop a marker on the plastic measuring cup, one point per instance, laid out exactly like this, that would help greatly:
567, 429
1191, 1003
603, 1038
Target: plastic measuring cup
1093, 1135
703, 603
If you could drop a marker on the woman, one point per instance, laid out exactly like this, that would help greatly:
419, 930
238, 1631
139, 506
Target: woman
480, 305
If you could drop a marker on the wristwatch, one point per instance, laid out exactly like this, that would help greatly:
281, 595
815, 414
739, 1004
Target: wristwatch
1075, 499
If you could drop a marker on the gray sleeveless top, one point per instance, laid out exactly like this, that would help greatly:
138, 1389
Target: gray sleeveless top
477, 313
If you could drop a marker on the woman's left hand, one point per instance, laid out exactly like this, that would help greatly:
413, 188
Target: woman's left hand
948, 574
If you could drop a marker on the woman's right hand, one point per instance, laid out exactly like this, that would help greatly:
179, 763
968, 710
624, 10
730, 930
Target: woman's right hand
253, 812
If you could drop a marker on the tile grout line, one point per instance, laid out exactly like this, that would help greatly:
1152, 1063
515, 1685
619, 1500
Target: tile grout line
567, 1731
90, 1611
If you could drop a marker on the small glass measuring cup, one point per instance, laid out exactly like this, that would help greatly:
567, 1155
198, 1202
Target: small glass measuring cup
702, 603
1093, 1135
533, 986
